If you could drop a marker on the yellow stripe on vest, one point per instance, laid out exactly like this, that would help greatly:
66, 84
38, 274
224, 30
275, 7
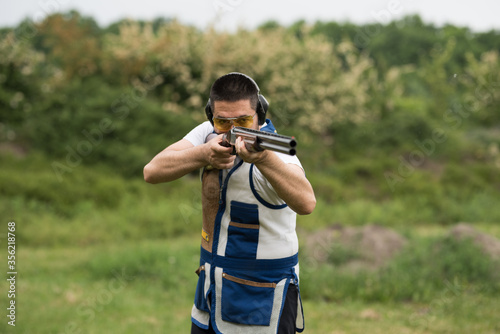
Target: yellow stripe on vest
204, 235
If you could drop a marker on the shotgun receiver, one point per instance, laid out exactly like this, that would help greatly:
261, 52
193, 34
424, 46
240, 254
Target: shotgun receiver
260, 140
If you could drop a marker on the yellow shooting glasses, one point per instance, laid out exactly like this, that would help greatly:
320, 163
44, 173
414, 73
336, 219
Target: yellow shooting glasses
225, 124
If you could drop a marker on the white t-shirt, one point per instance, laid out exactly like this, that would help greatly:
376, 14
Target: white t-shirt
198, 135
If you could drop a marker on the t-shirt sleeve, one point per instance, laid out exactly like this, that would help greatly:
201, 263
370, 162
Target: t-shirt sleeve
290, 159
198, 135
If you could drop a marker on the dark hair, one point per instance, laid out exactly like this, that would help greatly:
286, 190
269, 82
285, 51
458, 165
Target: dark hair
234, 87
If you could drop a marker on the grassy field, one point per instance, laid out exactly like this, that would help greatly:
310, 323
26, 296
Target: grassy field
102, 254
147, 286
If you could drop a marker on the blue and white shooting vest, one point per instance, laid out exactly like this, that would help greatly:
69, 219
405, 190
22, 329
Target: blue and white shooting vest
244, 278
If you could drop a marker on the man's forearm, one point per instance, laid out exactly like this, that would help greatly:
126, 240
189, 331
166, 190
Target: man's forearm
289, 182
171, 164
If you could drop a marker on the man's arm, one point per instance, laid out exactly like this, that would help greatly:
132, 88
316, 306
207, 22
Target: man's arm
288, 180
183, 157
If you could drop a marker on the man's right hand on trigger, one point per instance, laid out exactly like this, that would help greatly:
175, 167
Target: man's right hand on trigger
219, 156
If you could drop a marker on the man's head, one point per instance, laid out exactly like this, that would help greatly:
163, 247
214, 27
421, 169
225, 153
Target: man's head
235, 95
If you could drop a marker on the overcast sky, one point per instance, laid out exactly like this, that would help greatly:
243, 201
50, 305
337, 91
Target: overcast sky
479, 15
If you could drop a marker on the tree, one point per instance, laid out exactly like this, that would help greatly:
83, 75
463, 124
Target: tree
72, 42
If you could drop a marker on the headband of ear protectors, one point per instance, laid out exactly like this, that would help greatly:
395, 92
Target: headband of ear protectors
262, 104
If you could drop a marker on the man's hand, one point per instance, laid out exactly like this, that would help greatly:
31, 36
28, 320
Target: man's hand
219, 156
250, 156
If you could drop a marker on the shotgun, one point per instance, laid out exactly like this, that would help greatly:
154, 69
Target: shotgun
260, 140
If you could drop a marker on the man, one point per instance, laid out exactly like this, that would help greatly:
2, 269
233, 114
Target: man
248, 274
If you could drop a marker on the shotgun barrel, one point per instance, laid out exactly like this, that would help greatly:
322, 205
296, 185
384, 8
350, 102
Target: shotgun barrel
261, 140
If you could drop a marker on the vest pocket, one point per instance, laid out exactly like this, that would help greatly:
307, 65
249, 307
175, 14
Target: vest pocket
200, 300
243, 230
246, 302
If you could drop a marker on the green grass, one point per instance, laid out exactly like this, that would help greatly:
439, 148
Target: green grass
117, 288
122, 260
462, 314
148, 286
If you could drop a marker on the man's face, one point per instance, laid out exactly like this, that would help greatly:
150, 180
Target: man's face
241, 108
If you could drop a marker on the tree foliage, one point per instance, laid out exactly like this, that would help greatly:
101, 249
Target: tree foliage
117, 95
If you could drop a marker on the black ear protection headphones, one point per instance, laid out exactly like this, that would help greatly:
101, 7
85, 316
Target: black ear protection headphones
262, 104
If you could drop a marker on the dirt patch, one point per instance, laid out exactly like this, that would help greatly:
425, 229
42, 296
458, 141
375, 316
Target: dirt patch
487, 243
367, 247
13, 149
372, 246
